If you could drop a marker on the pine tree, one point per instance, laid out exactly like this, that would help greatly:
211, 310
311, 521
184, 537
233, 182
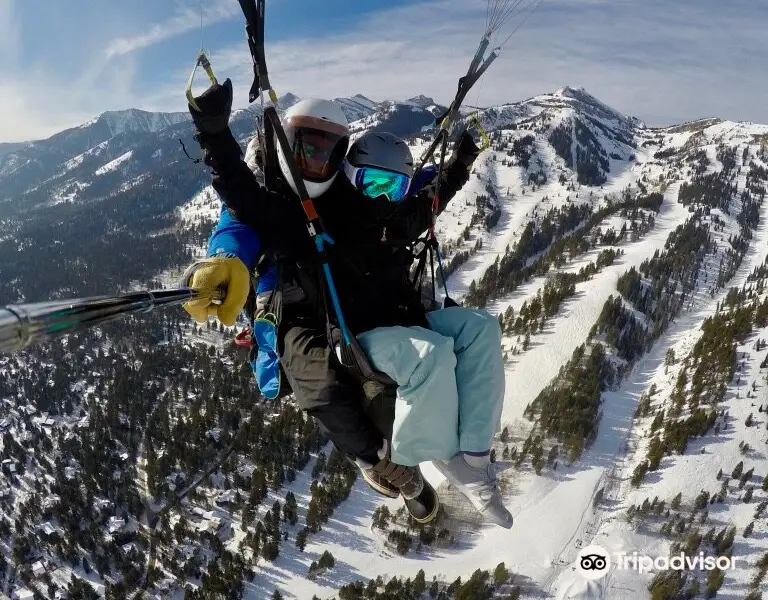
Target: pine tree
290, 511
500, 574
301, 539
702, 499
419, 583
326, 560
747, 476
669, 358
313, 516
715, 579
639, 473
270, 550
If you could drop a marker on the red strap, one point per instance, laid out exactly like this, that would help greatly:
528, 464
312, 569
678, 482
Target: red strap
244, 338
309, 209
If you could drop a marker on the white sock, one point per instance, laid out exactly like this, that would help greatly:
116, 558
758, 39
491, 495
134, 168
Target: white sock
477, 462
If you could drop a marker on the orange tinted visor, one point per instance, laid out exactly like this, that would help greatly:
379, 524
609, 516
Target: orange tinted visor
318, 146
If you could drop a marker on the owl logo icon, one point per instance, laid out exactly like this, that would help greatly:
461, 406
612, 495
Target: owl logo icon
593, 562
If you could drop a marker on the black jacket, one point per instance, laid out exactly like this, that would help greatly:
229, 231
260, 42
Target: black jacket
370, 259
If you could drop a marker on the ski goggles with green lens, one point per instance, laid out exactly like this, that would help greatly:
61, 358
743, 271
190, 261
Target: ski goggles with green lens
374, 182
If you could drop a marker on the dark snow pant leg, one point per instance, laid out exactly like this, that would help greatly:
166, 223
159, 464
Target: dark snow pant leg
324, 389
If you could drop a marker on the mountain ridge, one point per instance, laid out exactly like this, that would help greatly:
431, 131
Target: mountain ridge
64, 156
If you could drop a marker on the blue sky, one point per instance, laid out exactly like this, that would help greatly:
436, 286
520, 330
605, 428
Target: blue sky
663, 61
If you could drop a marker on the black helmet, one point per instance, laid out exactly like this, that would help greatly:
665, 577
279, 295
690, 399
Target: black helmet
380, 164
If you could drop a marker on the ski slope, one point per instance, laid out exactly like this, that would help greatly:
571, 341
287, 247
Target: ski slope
554, 513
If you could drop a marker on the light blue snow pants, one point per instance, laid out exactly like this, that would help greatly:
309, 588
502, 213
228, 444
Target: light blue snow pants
450, 383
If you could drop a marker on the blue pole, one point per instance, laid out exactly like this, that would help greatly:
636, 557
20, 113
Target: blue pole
319, 243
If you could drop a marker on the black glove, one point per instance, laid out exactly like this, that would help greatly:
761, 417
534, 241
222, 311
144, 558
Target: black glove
466, 150
215, 105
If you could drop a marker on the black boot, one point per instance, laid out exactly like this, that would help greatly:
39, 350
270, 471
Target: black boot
423, 508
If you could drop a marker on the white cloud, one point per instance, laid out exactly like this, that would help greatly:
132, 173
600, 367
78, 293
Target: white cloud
9, 31
396, 53
390, 54
663, 62
43, 97
187, 18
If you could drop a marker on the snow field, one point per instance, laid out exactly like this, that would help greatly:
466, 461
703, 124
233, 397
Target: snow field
113, 165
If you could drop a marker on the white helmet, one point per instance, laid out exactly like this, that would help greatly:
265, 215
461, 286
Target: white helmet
318, 133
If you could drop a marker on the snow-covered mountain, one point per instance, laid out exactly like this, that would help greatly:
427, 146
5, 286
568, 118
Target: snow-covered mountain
357, 107
6, 147
423, 101
63, 166
139, 121
37, 164
627, 266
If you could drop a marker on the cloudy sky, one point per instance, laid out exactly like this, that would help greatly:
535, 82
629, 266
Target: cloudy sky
664, 61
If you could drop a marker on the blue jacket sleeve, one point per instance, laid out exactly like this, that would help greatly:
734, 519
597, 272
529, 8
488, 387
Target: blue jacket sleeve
426, 176
233, 238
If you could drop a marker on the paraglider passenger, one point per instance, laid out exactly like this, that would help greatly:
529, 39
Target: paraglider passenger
446, 363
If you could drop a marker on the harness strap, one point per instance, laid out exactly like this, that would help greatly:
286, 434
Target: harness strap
352, 357
270, 156
434, 247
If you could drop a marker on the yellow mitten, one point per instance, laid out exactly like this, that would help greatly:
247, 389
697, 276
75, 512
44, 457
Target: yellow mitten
229, 275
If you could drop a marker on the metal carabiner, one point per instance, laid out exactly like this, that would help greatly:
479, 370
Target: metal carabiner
200, 61
474, 120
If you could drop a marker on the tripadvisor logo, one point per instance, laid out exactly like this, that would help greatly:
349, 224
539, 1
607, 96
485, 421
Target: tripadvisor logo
594, 562
678, 562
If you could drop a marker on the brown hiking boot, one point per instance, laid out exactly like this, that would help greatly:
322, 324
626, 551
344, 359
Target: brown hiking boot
378, 483
373, 479
407, 480
421, 502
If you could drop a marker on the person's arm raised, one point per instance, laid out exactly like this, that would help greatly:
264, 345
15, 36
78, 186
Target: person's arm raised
270, 214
